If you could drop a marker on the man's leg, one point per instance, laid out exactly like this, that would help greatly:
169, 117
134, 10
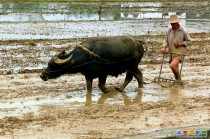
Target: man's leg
174, 65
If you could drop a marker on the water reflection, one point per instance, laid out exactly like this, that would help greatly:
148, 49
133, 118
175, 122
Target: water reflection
88, 101
76, 99
115, 96
27, 12
174, 93
59, 20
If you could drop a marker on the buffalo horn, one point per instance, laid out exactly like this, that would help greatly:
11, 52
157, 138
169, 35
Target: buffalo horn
62, 61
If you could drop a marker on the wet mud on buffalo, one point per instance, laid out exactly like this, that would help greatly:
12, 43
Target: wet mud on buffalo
98, 58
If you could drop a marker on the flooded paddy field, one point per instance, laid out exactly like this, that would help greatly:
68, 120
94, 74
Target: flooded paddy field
61, 108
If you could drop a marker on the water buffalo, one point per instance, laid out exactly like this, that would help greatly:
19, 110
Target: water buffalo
98, 58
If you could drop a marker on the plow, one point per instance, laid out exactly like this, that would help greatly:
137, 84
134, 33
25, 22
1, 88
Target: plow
163, 79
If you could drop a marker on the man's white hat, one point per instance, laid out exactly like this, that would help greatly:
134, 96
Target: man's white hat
173, 19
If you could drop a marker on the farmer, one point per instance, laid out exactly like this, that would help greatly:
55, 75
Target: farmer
176, 42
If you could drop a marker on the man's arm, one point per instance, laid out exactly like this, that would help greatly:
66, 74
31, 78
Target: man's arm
164, 46
187, 40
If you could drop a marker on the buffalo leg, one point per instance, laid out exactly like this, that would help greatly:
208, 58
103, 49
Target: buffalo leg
128, 78
139, 77
101, 84
89, 83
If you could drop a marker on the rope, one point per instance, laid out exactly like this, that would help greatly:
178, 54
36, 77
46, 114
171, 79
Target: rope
95, 55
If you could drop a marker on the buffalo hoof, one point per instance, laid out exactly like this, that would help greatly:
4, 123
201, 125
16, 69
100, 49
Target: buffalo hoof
107, 90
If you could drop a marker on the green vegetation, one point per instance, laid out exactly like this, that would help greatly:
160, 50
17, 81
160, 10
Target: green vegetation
95, 1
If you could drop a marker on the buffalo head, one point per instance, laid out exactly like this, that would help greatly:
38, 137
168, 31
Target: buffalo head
56, 66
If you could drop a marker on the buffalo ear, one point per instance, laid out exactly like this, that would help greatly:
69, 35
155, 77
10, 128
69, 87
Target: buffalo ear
141, 42
63, 52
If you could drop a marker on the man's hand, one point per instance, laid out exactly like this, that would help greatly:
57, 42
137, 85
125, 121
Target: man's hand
177, 44
164, 50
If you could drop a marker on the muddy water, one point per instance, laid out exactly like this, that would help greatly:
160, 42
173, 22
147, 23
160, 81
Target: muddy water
77, 97
59, 21
29, 12
24, 95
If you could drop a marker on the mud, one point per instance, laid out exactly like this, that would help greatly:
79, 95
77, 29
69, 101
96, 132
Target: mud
33, 108
61, 108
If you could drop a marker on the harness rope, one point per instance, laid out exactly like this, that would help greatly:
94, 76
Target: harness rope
96, 56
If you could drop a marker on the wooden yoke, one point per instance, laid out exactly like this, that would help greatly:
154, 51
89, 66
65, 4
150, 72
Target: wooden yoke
87, 50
